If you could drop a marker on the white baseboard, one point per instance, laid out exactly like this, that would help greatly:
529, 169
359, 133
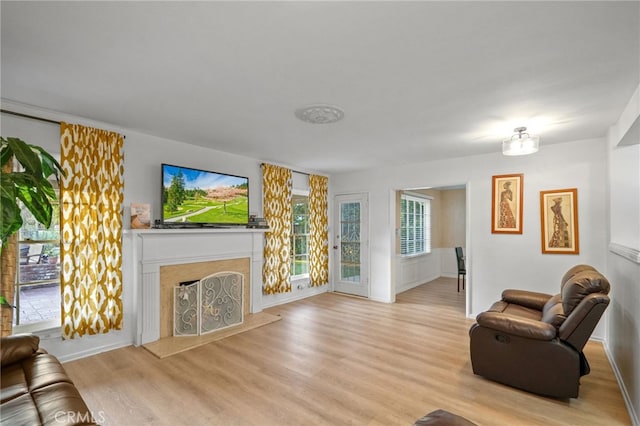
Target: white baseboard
380, 300
408, 286
275, 301
635, 420
70, 350
93, 351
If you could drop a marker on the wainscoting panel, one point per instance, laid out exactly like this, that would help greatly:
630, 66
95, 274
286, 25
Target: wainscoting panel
448, 262
415, 270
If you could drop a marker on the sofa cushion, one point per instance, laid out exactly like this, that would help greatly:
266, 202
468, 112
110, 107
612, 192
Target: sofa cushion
20, 411
61, 403
553, 312
14, 384
18, 347
43, 370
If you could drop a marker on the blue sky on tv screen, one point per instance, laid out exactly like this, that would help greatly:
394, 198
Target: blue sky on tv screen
199, 178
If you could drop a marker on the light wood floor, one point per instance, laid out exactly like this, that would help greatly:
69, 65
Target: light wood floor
335, 360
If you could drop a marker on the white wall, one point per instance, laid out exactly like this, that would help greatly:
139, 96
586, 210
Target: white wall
144, 154
623, 263
48, 136
494, 261
142, 159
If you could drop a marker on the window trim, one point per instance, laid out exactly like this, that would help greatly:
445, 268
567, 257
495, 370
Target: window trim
427, 223
300, 277
46, 326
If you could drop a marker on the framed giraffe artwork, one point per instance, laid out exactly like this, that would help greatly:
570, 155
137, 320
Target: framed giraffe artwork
506, 209
559, 221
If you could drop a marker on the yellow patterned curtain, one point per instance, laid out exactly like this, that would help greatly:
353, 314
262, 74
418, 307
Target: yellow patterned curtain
318, 231
276, 187
91, 237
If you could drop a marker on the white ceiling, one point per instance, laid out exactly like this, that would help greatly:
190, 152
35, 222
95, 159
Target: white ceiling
417, 80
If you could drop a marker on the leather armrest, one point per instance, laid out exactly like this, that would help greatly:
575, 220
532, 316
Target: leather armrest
529, 299
18, 347
517, 326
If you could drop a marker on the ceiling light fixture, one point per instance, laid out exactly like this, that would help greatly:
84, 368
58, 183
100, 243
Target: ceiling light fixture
320, 114
520, 143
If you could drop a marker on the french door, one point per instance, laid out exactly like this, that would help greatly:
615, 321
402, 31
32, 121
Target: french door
351, 245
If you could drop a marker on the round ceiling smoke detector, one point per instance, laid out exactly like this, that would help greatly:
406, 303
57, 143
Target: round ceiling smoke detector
320, 114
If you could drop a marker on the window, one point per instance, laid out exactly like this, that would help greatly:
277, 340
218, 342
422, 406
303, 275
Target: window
37, 295
300, 236
415, 225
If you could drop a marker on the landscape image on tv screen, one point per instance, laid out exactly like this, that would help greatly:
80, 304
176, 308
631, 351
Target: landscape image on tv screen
203, 197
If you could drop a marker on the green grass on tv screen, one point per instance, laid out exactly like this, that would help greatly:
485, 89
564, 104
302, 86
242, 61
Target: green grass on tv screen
203, 210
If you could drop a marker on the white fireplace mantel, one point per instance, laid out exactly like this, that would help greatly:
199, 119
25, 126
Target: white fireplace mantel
154, 248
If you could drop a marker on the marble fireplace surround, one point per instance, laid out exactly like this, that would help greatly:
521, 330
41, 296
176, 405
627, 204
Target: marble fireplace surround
195, 253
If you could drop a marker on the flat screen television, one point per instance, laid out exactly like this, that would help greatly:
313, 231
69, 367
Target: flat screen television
200, 197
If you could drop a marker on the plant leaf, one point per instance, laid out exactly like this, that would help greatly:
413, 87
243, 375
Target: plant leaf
50, 165
5, 152
31, 186
10, 220
25, 181
26, 156
37, 202
4, 302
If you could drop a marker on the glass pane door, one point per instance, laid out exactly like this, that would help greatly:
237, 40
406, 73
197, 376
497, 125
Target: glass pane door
351, 245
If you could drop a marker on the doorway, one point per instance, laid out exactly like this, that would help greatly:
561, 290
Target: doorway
445, 227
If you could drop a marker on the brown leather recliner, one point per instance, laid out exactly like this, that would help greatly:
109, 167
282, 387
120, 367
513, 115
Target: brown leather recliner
534, 341
35, 389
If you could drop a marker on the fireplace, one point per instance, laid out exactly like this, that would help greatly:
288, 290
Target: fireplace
167, 257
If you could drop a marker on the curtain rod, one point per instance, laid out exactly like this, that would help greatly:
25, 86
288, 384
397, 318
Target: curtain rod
295, 171
33, 117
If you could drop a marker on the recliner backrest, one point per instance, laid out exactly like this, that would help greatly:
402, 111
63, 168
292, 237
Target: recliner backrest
580, 285
573, 271
578, 326
584, 299
576, 310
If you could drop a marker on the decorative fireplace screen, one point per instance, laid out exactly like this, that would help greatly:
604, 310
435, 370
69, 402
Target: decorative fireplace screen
213, 303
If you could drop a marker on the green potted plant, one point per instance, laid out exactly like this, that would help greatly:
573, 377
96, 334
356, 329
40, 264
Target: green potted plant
52, 253
30, 186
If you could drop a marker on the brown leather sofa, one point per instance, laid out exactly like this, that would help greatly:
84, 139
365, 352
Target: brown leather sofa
35, 389
534, 341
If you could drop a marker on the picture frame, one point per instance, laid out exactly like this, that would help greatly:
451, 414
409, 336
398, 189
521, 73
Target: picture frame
506, 207
140, 216
559, 221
